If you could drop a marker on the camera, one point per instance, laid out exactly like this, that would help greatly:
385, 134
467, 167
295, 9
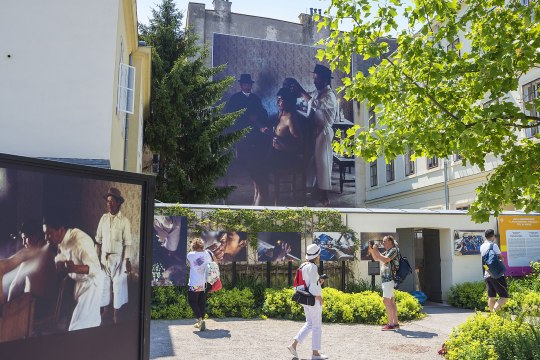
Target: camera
323, 276
371, 243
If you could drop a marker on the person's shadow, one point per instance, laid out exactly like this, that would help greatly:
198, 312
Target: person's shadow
416, 334
213, 334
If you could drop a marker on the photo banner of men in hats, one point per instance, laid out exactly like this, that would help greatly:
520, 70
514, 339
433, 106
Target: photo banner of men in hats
70, 258
377, 238
286, 158
169, 248
279, 246
335, 246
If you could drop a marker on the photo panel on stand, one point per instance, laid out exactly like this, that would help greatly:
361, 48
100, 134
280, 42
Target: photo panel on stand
71, 258
335, 246
279, 246
468, 242
377, 238
169, 249
227, 246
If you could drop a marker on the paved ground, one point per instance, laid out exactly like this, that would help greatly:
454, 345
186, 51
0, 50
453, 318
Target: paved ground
239, 339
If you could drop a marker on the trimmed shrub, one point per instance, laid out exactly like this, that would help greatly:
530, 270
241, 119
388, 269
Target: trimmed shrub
232, 303
469, 295
366, 307
493, 337
169, 303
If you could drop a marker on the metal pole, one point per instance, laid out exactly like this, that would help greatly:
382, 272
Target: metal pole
446, 195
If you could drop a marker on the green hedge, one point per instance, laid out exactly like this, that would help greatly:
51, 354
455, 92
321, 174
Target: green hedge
492, 337
366, 307
469, 295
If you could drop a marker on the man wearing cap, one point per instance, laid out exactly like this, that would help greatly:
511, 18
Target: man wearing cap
323, 108
252, 150
310, 275
113, 238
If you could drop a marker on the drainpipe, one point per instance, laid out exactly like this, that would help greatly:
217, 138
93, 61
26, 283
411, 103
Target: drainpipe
446, 192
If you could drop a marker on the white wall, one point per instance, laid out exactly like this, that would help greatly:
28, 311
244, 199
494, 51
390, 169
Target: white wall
55, 89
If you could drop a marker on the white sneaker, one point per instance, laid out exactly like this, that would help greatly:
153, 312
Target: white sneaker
293, 351
319, 357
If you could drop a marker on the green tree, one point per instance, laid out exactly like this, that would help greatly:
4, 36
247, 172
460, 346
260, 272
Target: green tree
185, 128
434, 98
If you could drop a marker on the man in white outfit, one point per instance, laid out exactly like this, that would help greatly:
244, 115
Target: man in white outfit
323, 109
77, 256
113, 242
313, 324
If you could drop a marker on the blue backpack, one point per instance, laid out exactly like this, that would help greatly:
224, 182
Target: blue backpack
494, 266
402, 271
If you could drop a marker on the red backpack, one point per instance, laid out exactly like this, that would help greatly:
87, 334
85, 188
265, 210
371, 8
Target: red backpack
299, 279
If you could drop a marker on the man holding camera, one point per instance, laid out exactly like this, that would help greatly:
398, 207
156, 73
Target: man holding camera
389, 260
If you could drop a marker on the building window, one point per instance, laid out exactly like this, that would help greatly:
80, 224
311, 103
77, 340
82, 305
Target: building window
458, 157
390, 171
410, 167
372, 117
453, 46
463, 207
432, 162
524, 2
373, 173
530, 93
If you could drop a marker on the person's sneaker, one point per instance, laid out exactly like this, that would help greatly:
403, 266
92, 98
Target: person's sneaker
387, 327
197, 325
319, 357
396, 326
293, 351
202, 326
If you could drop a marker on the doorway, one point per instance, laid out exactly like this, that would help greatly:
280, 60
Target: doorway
427, 260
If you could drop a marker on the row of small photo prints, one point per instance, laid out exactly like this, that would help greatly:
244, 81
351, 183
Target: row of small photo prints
170, 247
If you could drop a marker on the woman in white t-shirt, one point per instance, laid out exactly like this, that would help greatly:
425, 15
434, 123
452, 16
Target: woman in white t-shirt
197, 259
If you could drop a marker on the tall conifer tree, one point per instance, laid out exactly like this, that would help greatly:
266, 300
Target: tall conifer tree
186, 128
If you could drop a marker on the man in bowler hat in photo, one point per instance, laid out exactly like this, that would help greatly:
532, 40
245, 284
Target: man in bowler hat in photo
251, 150
113, 239
323, 109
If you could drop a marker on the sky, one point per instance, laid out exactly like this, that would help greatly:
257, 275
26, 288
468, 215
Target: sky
287, 10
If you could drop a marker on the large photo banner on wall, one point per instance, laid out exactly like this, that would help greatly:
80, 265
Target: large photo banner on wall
71, 244
520, 242
334, 246
169, 250
286, 158
377, 238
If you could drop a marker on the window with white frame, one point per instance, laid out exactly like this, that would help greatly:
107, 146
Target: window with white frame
432, 162
530, 93
410, 168
524, 2
126, 88
390, 171
373, 173
463, 207
372, 117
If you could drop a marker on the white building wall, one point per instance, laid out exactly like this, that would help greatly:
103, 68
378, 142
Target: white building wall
56, 66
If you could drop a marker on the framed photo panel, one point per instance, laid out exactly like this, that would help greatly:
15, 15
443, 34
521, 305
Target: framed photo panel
377, 238
279, 246
74, 261
334, 246
169, 246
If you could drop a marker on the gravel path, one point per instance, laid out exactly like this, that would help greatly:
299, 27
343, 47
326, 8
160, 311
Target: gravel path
240, 339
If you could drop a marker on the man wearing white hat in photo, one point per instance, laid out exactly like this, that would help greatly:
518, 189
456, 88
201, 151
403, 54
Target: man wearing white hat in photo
313, 313
113, 241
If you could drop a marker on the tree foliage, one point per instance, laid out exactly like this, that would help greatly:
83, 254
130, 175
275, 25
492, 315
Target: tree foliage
185, 128
436, 99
